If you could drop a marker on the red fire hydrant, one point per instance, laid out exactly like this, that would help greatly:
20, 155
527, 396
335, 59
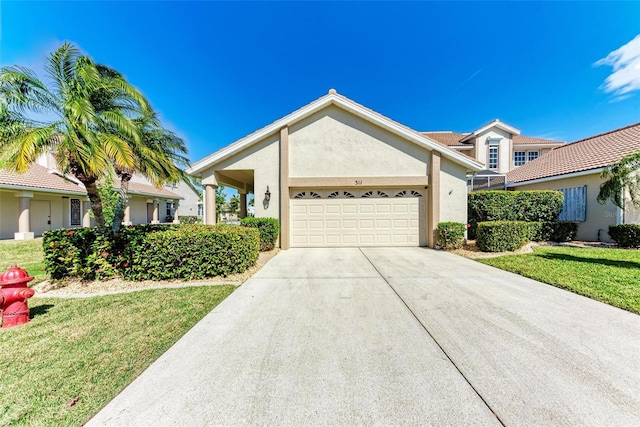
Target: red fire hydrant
14, 293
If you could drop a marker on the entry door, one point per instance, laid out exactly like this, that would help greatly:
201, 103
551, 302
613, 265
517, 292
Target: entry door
40, 212
149, 213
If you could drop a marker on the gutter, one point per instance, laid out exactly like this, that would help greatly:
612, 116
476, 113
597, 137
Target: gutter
555, 177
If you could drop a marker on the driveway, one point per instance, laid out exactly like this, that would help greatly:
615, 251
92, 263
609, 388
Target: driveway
393, 336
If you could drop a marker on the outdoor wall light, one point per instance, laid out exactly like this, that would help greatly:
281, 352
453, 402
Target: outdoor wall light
267, 194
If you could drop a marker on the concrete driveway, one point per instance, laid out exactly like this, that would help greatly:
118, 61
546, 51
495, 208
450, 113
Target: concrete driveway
393, 336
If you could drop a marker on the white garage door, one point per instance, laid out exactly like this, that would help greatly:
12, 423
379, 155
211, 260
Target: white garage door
368, 217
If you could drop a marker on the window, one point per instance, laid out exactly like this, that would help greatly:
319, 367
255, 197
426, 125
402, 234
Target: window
533, 155
493, 156
76, 212
519, 158
170, 209
200, 209
574, 205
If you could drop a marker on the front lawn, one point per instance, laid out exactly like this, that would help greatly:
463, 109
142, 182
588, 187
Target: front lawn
611, 276
26, 254
77, 354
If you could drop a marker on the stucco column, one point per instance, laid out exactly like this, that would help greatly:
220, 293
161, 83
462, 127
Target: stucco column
284, 189
24, 216
127, 215
156, 209
210, 204
86, 218
433, 193
243, 205
176, 206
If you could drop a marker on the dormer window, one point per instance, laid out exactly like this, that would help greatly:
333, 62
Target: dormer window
494, 153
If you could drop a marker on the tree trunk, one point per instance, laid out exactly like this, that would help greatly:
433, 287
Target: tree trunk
96, 203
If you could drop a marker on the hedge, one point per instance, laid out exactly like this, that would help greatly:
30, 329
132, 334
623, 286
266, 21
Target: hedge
532, 206
190, 219
625, 235
499, 236
450, 235
557, 231
269, 230
150, 252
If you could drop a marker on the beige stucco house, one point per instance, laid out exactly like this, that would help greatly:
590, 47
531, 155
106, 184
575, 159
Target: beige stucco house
339, 174
44, 199
497, 145
575, 170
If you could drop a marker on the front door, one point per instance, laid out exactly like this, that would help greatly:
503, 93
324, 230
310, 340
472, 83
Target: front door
40, 212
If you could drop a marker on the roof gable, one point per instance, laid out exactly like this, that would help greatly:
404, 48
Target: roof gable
333, 98
591, 153
494, 124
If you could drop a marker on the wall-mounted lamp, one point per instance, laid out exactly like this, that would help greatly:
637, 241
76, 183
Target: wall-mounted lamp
267, 194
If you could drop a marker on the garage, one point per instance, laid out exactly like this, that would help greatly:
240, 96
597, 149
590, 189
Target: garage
362, 217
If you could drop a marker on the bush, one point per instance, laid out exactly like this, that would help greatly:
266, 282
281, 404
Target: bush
189, 219
450, 235
625, 235
557, 231
533, 206
499, 236
150, 252
269, 230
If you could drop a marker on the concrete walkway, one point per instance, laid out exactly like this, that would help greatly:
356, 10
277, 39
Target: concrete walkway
384, 336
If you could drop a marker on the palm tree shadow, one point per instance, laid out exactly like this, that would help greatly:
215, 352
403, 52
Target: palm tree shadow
39, 310
601, 261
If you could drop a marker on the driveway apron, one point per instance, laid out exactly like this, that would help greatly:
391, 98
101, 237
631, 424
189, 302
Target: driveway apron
392, 336
316, 337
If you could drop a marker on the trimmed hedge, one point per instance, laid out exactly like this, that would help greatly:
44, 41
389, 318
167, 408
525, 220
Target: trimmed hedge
557, 231
625, 235
532, 206
450, 235
499, 236
189, 219
269, 230
153, 252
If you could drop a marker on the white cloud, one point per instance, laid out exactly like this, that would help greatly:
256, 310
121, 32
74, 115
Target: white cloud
626, 69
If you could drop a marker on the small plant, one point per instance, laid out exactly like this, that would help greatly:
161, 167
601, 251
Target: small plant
450, 235
499, 236
269, 230
625, 235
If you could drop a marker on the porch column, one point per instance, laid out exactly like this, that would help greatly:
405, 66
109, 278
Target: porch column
176, 206
433, 193
243, 204
24, 216
86, 218
127, 214
210, 204
156, 208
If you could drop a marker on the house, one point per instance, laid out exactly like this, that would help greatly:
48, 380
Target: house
190, 203
44, 199
575, 170
336, 173
497, 145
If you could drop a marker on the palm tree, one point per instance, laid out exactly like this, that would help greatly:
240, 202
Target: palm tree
86, 141
620, 176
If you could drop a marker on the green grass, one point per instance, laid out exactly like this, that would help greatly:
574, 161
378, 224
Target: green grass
90, 349
26, 254
611, 276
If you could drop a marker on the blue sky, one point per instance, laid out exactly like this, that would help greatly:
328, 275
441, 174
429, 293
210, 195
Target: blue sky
218, 71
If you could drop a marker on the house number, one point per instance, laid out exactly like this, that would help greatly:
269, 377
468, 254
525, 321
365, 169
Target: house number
358, 182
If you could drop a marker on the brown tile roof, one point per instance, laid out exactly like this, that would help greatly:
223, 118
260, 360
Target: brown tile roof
520, 139
590, 153
149, 190
39, 177
446, 138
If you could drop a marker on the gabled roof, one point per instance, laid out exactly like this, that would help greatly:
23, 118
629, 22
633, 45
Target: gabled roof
587, 154
39, 178
453, 139
525, 140
496, 123
140, 189
333, 98
450, 139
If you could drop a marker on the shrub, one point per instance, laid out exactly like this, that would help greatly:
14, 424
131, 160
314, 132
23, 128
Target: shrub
189, 219
269, 230
533, 206
450, 234
558, 231
625, 235
498, 236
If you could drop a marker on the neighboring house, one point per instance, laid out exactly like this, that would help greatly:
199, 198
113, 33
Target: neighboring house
339, 174
190, 203
43, 199
497, 145
575, 170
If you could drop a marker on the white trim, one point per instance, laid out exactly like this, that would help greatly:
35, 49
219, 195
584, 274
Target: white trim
319, 104
496, 123
555, 177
